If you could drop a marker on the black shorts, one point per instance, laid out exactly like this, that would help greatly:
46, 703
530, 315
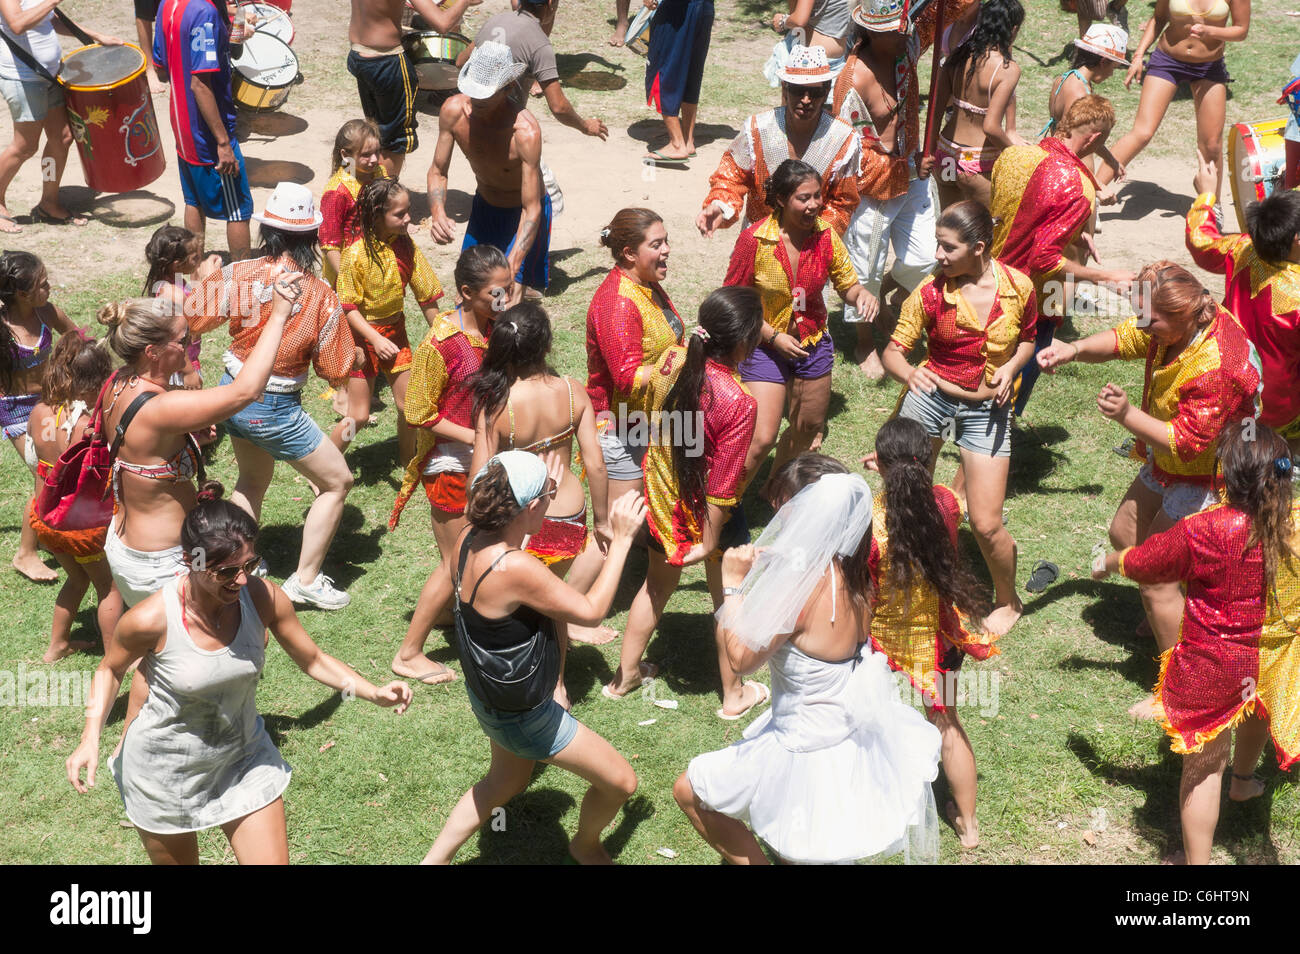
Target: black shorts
387, 86
146, 10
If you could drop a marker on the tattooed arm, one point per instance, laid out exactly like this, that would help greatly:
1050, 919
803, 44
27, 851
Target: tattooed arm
528, 141
441, 227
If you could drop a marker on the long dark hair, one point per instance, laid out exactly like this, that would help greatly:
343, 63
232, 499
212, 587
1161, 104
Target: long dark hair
784, 180
1256, 478
996, 24
168, 248
18, 274
517, 348
303, 248
372, 203
215, 529
732, 317
919, 545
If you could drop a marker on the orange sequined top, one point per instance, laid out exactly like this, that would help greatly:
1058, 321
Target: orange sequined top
1266, 301
316, 333
728, 412
791, 292
1211, 385
1042, 198
376, 285
1209, 679
626, 330
962, 349
763, 145
439, 389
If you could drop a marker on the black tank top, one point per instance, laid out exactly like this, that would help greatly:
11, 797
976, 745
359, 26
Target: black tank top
503, 632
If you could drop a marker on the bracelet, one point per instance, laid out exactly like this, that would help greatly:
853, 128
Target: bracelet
731, 591
1075, 346
785, 18
772, 337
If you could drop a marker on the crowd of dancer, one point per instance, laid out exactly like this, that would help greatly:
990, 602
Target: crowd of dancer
674, 420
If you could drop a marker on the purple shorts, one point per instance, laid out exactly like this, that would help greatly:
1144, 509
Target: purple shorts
767, 365
1176, 71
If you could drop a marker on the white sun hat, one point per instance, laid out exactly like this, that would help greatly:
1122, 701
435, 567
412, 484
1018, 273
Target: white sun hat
1106, 39
491, 67
291, 208
807, 66
884, 16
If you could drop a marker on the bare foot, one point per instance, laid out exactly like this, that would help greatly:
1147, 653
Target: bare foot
584, 855
619, 36
617, 690
1000, 621
967, 835
1179, 857
668, 152
62, 650
423, 669
7, 223
30, 566
870, 364
1145, 709
592, 635
1243, 789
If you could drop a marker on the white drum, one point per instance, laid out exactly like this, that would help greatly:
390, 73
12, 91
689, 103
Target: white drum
268, 19
264, 73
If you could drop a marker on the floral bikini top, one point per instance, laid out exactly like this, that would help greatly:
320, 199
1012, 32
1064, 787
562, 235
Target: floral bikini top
185, 465
546, 443
26, 358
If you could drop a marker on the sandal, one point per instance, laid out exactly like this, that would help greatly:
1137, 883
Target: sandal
16, 230
761, 695
45, 218
1043, 576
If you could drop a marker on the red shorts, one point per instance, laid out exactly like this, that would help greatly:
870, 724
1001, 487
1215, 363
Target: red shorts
559, 539
445, 491
371, 365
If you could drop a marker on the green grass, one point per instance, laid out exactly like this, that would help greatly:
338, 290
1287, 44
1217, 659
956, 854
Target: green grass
1058, 758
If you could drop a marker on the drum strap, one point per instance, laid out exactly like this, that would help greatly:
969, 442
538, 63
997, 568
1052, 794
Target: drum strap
30, 61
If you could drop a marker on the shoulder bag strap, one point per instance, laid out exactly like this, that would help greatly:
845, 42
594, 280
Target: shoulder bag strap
75, 30
127, 417
28, 60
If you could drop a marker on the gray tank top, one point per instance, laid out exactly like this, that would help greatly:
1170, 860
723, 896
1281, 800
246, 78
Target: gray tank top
830, 17
198, 754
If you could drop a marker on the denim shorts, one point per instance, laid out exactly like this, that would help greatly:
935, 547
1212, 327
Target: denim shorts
140, 573
977, 426
277, 424
30, 100
622, 461
536, 734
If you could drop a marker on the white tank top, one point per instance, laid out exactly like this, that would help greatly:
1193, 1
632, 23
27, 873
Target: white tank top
40, 41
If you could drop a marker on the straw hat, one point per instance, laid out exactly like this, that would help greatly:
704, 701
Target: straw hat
290, 208
807, 66
883, 16
1106, 39
490, 69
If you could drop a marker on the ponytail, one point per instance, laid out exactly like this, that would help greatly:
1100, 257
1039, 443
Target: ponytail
517, 348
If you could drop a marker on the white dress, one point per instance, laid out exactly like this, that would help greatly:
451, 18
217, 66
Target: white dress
837, 770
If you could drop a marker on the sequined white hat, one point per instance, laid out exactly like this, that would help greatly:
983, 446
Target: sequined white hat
883, 16
290, 208
490, 68
807, 66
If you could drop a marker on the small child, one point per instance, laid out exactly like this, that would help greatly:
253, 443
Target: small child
1098, 53
77, 370
373, 276
353, 164
173, 254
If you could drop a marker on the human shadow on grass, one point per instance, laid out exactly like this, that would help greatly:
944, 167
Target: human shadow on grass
1244, 829
1141, 199
277, 725
354, 547
561, 280
534, 832
574, 72
376, 463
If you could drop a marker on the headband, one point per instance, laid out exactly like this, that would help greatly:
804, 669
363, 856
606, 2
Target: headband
525, 472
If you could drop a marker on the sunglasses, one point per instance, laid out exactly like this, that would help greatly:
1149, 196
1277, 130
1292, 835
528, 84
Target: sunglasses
813, 93
228, 574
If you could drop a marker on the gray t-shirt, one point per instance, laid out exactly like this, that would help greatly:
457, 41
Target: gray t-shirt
522, 32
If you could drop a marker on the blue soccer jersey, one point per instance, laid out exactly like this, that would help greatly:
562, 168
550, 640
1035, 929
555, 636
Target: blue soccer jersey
192, 37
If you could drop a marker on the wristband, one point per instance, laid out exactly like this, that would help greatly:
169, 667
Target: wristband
771, 339
731, 591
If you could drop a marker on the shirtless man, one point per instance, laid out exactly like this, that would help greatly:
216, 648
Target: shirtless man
386, 79
503, 144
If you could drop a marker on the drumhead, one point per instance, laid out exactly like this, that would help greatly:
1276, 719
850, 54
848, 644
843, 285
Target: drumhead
267, 61
270, 19
433, 45
99, 67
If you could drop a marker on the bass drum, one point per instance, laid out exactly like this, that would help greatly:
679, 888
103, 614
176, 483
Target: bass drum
1257, 158
434, 56
264, 73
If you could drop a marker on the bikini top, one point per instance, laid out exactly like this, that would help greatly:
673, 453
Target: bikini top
1052, 121
971, 107
1181, 10
546, 443
185, 465
26, 358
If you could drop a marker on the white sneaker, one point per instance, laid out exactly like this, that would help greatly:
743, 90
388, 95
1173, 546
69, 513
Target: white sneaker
321, 593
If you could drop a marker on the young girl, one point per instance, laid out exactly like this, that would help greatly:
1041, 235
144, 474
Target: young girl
839, 769
979, 316
1210, 680
28, 323
1200, 381
692, 484
923, 596
439, 407
980, 80
76, 373
354, 162
1095, 58
173, 253
373, 276
789, 256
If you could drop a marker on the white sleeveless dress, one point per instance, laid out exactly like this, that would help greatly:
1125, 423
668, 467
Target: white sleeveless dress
198, 755
837, 770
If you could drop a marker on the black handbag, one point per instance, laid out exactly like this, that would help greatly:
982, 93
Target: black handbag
514, 679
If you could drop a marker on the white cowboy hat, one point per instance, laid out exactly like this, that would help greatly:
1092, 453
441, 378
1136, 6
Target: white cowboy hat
290, 208
883, 16
490, 68
807, 66
1106, 39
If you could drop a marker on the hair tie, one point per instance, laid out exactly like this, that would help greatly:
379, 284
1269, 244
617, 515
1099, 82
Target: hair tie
604, 233
1282, 466
206, 495
699, 331
514, 328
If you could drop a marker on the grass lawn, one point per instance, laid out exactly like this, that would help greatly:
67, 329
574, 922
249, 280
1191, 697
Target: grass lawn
1065, 776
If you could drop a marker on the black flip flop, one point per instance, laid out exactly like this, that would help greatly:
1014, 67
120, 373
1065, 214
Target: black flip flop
1043, 576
